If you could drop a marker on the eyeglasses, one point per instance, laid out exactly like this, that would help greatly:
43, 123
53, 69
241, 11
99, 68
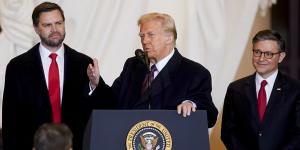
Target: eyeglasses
267, 54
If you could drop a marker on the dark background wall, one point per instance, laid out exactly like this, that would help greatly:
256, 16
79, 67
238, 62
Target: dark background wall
285, 19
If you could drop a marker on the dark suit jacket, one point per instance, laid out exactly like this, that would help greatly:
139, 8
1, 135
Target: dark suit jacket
181, 79
26, 103
280, 129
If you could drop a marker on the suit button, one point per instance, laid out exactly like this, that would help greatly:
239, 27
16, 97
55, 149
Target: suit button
259, 134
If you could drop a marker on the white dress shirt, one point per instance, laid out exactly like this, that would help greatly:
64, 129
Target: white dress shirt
46, 61
162, 63
270, 80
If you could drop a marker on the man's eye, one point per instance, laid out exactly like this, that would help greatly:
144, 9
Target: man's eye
151, 34
268, 54
256, 51
141, 35
46, 25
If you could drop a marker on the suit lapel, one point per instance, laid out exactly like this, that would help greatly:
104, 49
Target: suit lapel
164, 78
34, 63
251, 95
137, 78
67, 70
69, 65
35, 72
275, 97
161, 82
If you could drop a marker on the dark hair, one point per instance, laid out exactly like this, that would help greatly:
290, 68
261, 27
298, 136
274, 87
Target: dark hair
270, 35
53, 137
45, 7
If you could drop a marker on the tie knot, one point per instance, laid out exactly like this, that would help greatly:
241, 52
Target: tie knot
153, 68
53, 56
263, 83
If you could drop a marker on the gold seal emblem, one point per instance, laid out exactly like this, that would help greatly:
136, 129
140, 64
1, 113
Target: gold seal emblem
149, 135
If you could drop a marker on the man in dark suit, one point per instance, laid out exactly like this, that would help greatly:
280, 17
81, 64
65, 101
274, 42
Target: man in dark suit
262, 111
39, 89
175, 82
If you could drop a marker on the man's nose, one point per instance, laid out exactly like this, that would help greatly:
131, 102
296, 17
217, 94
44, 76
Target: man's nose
262, 57
53, 28
145, 40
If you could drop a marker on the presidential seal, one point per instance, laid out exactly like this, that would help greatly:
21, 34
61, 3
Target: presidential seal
149, 135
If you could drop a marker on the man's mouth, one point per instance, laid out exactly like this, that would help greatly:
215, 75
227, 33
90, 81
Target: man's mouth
54, 35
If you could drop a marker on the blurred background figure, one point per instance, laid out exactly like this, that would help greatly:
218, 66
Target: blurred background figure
53, 137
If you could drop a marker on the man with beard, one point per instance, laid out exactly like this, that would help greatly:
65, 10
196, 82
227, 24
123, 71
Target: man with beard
48, 83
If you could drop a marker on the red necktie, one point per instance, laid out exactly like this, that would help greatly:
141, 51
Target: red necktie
54, 90
262, 100
149, 78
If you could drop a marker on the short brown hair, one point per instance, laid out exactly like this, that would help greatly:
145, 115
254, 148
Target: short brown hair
51, 136
270, 35
167, 21
45, 7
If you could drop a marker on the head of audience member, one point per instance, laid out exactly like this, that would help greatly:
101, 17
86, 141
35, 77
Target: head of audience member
268, 52
158, 35
49, 23
51, 136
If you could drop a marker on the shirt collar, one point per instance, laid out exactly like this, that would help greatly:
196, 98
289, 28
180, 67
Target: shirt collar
162, 63
270, 80
46, 52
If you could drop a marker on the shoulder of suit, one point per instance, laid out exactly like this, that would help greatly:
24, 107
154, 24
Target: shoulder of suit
193, 65
244, 80
25, 57
290, 80
134, 63
133, 60
76, 55
188, 63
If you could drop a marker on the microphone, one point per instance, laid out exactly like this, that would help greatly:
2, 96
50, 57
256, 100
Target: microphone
140, 54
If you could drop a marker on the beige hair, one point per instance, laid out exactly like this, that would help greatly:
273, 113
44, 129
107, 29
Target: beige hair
168, 23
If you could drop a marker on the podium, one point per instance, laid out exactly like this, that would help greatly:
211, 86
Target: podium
142, 129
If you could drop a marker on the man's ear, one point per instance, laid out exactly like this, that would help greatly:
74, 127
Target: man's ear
36, 29
281, 56
170, 39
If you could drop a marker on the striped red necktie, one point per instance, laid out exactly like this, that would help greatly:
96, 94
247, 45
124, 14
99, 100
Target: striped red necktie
148, 79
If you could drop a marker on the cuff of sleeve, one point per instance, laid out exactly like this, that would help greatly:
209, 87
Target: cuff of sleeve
194, 105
